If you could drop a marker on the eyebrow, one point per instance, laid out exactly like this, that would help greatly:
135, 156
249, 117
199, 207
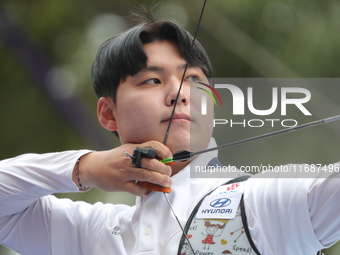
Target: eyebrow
161, 69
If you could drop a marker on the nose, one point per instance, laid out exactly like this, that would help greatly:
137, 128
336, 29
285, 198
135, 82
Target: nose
174, 92
172, 102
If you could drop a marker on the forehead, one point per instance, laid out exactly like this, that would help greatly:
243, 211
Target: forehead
164, 55
159, 51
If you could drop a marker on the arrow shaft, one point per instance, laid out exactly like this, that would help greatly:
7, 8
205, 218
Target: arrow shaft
272, 134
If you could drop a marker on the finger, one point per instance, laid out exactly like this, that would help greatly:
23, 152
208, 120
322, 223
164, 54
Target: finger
153, 177
135, 188
156, 165
142, 174
161, 150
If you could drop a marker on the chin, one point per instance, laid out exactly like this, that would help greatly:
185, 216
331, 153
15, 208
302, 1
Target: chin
176, 145
188, 141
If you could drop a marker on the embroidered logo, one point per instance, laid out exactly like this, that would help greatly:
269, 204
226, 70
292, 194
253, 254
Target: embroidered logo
117, 231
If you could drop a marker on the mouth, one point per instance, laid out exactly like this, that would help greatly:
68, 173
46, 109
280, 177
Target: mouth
178, 118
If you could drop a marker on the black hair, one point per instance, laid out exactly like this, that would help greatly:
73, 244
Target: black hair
123, 55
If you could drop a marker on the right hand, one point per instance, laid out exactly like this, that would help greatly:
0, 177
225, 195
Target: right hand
112, 171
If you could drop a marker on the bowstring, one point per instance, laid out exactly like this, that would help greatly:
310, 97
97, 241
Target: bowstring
184, 72
173, 112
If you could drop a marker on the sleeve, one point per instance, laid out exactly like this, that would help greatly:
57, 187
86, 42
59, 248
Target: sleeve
26, 183
324, 207
298, 214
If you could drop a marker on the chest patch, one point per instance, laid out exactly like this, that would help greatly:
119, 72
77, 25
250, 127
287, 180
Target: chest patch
215, 227
222, 206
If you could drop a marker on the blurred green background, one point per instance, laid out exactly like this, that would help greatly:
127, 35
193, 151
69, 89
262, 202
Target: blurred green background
47, 48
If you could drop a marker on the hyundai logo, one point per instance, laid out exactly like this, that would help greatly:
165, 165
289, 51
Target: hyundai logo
221, 202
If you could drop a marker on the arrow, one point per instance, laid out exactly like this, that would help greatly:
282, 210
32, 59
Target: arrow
185, 155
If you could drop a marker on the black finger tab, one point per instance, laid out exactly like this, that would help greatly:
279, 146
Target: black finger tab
140, 153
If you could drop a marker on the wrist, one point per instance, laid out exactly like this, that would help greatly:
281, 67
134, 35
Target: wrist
79, 176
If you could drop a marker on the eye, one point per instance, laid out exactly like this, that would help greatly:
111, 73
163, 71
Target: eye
152, 81
192, 78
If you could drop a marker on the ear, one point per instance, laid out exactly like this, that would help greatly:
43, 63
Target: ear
106, 113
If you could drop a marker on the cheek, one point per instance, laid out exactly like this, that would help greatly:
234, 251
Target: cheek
201, 104
131, 106
133, 115
204, 120
137, 119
